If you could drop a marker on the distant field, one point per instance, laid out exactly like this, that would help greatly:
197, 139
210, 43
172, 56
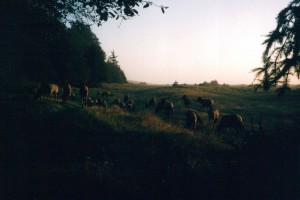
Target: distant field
275, 113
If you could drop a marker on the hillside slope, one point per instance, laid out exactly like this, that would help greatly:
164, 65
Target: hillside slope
55, 151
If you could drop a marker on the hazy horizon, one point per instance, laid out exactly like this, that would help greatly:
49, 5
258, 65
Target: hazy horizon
192, 42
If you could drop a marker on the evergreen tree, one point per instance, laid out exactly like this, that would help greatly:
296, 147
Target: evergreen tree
37, 45
281, 58
114, 72
113, 59
87, 60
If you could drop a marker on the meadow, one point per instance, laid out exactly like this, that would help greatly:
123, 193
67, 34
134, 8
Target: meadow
61, 151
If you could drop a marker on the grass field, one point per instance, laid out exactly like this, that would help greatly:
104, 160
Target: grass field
273, 112
56, 151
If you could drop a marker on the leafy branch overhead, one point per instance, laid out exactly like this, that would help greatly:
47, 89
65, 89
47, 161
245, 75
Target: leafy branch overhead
95, 11
281, 58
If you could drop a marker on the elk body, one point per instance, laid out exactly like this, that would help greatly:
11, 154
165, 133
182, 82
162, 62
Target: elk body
54, 89
192, 119
151, 103
165, 107
233, 121
205, 102
67, 92
186, 101
84, 93
213, 116
48, 92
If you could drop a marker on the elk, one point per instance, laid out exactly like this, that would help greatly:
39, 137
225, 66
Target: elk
91, 101
126, 98
67, 92
101, 102
54, 89
233, 121
186, 101
213, 116
116, 102
40, 92
165, 107
47, 91
192, 119
206, 102
130, 105
150, 103
84, 93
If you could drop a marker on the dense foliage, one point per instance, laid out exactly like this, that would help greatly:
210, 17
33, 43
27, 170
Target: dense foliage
88, 60
94, 11
51, 41
281, 57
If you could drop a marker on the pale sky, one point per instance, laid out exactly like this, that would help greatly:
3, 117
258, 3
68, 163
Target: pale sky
194, 41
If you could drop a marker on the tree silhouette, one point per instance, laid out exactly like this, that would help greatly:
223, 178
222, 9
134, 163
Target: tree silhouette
281, 58
87, 59
44, 40
113, 59
95, 11
114, 72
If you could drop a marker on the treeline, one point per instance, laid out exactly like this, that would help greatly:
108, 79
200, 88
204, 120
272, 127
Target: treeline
37, 46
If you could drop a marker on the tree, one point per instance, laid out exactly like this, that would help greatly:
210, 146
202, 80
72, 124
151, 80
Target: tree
281, 58
113, 59
35, 38
114, 72
175, 84
87, 59
31, 42
95, 11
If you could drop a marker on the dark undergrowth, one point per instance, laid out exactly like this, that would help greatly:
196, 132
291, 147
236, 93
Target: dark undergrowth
54, 151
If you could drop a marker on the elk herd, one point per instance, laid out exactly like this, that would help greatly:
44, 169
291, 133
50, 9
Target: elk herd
164, 107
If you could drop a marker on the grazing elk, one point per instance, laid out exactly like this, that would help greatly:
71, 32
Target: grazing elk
101, 102
192, 119
233, 121
67, 92
165, 107
40, 92
186, 101
116, 102
126, 98
122, 105
48, 92
32, 93
91, 101
150, 103
205, 102
84, 93
130, 105
54, 89
213, 116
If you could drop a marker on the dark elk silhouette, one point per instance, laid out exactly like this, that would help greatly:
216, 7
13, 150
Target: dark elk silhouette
205, 102
213, 116
233, 121
67, 92
192, 119
165, 107
186, 101
48, 92
151, 103
84, 93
